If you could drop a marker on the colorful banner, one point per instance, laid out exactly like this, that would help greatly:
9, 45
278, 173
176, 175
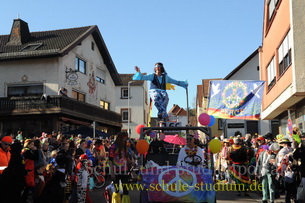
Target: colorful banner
178, 184
235, 99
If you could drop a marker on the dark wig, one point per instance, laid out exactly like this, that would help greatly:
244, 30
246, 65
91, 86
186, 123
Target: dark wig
162, 67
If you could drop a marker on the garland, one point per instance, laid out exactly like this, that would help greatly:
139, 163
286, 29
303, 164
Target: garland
191, 152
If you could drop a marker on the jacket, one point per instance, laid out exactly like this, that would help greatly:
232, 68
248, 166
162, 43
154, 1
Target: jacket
4, 159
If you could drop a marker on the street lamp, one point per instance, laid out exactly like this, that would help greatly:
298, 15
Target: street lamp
129, 107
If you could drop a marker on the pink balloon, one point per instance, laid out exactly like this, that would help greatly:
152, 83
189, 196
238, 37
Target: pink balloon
138, 128
204, 119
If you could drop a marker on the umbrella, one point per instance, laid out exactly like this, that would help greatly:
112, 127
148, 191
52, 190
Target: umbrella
175, 139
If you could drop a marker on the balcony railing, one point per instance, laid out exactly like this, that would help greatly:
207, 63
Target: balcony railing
58, 104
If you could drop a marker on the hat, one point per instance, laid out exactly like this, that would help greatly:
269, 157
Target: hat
261, 139
280, 137
274, 147
268, 136
7, 139
226, 140
89, 143
83, 156
284, 140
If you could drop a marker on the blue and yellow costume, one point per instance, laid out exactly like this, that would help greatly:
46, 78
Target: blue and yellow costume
157, 90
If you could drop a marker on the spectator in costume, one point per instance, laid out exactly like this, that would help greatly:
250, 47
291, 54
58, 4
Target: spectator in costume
19, 136
83, 179
224, 159
239, 162
12, 180
157, 90
30, 154
299, 154
5, 154
265, 169
81, 149
118, 161
296, 140
269, 139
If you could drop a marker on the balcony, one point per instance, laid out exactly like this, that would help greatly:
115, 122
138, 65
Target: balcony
58, 105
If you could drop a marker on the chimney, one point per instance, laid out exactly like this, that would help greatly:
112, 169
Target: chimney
20, 33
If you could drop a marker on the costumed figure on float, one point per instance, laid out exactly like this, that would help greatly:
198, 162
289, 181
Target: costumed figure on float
157, 90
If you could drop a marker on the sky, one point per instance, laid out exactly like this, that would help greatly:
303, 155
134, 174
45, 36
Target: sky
194, 39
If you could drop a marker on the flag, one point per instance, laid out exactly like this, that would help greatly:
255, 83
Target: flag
235, 99
170, 86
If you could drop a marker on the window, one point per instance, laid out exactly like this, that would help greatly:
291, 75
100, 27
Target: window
271, 74
100, 80
80, 65
104, 105
92, 46
124, 113
284, 53
124, 93
31, 47
29, 90
271, 7
78, 96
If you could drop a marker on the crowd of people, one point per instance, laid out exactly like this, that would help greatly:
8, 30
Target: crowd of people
59, 168
275, 162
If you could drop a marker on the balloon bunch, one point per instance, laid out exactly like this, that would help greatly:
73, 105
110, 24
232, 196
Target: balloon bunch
206, 119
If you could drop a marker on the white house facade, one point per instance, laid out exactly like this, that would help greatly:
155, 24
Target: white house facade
40, 63
138, 100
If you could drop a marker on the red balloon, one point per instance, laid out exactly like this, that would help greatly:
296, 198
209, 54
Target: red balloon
204, 119
142, 146
138, 128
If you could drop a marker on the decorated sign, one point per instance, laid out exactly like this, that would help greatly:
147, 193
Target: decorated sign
235, 99
72, 76
178, 184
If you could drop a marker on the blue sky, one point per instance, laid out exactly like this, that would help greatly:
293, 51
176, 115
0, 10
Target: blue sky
194, 39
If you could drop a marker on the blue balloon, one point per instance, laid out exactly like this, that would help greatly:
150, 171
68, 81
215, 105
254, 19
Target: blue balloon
212, 121
152, 134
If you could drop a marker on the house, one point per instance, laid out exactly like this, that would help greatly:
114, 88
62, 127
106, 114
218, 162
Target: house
132, 100
282, 62
34, 66
201, 107
178, 114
